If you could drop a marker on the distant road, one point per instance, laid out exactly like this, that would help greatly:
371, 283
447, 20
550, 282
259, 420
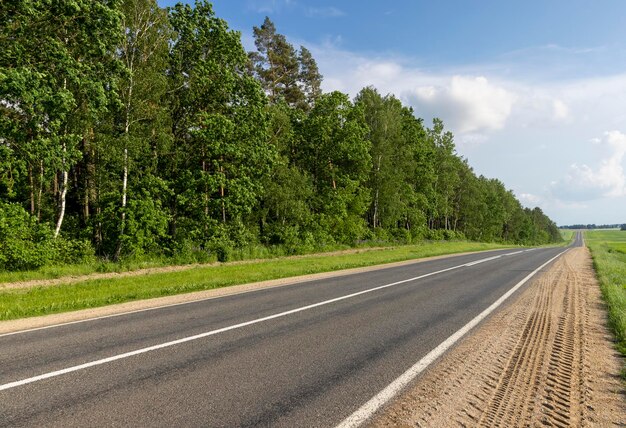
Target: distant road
310, 354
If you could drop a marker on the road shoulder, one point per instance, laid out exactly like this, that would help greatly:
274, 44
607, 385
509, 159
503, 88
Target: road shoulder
544, 359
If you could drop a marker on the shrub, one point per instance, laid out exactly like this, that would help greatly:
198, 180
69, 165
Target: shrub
24, 242
222, 247
435, 235
71, 251
27, 244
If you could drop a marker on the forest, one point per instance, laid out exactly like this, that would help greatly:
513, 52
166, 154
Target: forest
128, 131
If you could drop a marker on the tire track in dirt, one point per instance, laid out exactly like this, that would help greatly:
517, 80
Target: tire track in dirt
563, 395
509, 403
543, 360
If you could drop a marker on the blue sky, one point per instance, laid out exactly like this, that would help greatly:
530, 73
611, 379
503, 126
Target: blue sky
535, 91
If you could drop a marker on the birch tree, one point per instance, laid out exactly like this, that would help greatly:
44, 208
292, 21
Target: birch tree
143, 51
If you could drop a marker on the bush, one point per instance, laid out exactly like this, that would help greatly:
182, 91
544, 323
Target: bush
24, 243
27, 244
69, 252
435, 235
452, 235
223, 248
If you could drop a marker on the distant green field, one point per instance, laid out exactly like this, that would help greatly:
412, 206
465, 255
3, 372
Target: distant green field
608, 248
606, 235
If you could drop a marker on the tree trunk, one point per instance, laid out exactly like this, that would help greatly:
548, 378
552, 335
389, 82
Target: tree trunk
222, 198
89, 174
375, 220
40, 192
63, 194
31, 186
118, 250
64, 184
206, 189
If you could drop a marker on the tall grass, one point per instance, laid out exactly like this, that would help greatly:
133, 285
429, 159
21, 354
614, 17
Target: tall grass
608, 249
20, 303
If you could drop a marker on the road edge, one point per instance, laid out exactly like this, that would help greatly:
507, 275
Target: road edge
367, 410
53, 320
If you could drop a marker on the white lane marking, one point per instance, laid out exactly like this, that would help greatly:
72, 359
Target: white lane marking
179, 304
214, 332
493, 258
380, 399
482, 261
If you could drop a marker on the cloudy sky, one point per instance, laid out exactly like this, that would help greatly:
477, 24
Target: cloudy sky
534, 90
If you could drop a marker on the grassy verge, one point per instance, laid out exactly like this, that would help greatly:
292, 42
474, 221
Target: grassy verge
567, 235
608, 248
21, 303
152, 261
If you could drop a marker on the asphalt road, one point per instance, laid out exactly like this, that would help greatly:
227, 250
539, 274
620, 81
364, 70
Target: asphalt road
309, 354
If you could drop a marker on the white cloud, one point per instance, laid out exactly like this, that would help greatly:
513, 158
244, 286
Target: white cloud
513, 120
528, 199
525, 118
607, 179
269, 6
560, 110
469, 104
331, 12
384, 71
277, 6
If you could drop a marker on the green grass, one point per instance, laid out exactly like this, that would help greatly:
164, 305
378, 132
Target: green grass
155, 261
52, 272
567, 235
608, 248
21, 303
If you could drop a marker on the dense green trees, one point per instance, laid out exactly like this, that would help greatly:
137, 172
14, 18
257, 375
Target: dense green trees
127, 129
220, 151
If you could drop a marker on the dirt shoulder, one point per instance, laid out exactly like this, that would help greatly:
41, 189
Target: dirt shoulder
546, 359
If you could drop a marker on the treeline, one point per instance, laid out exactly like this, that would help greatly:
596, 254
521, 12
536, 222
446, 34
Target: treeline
127, 129
595, 226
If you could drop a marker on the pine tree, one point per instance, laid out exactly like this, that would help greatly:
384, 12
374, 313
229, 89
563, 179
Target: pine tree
276, 65
310, 78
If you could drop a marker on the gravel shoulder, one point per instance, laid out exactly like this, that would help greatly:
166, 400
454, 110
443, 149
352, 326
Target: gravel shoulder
546, 359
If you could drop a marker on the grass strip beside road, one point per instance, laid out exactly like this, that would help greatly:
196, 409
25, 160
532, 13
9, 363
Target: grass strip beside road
22, 303
567, 235
608, 249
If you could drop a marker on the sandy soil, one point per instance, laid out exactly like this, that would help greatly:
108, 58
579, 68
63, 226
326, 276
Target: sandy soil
546, 359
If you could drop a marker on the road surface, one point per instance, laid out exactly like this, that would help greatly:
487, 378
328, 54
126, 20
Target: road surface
309, 354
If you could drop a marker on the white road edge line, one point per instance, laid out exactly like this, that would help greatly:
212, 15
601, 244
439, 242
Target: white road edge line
368, 409
12, 333
214, 332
